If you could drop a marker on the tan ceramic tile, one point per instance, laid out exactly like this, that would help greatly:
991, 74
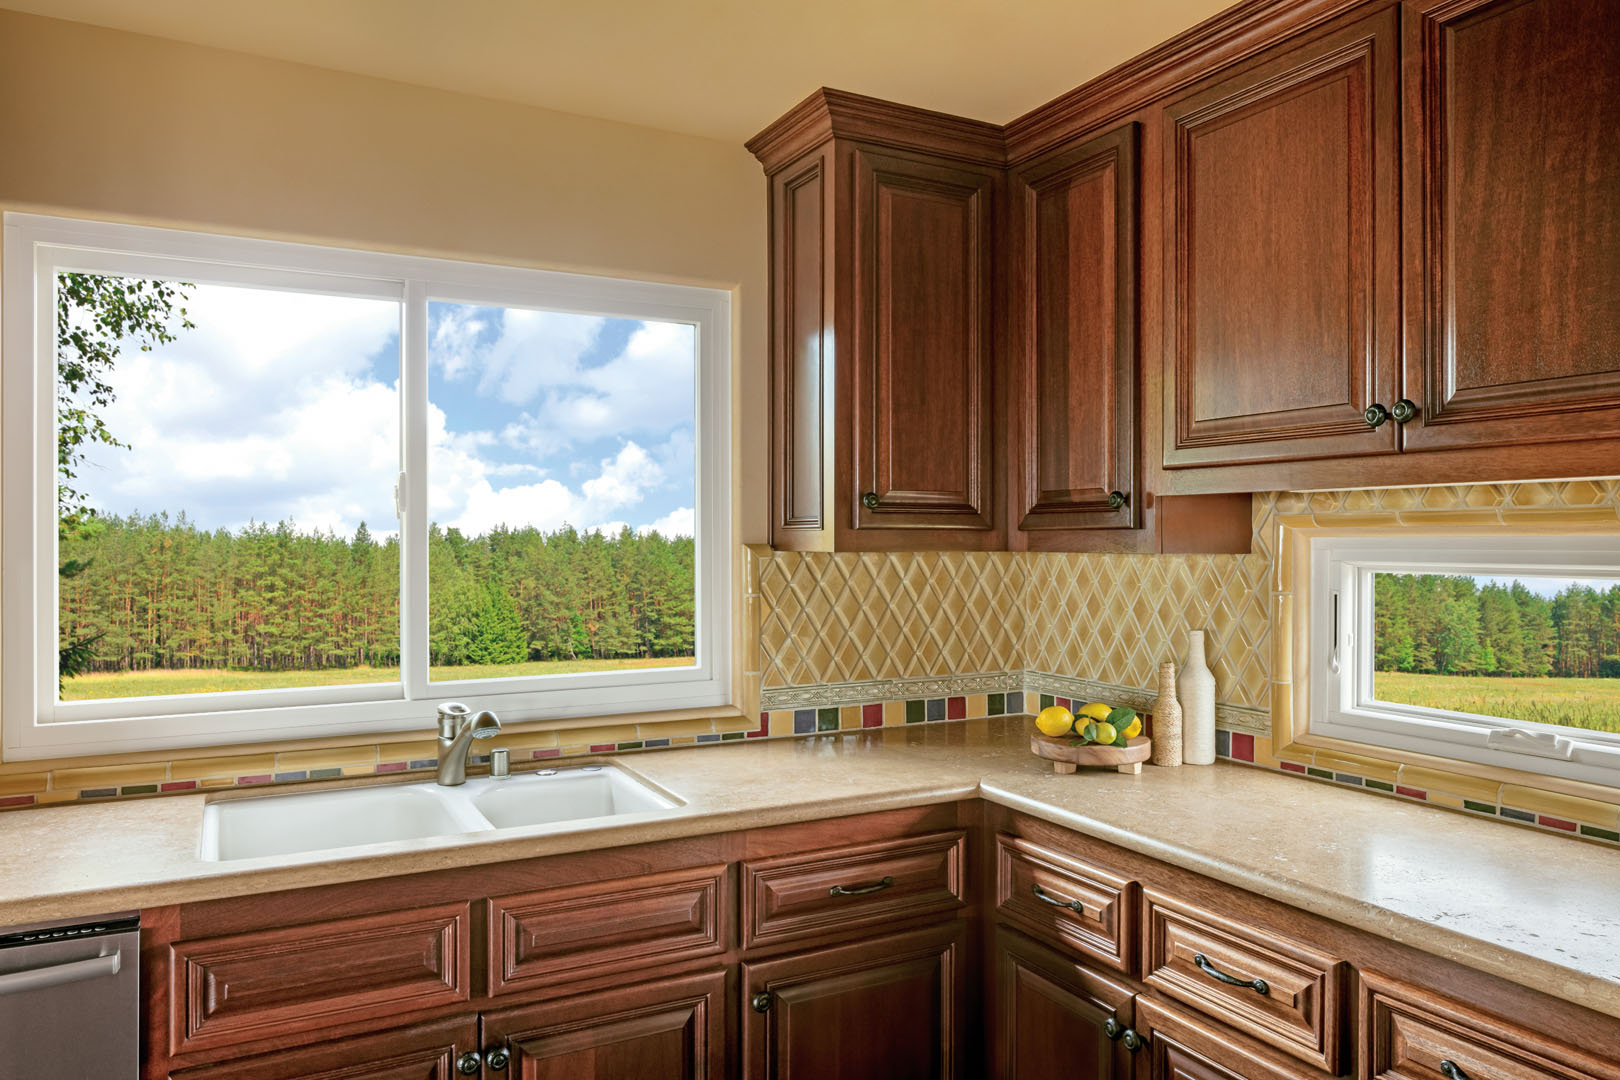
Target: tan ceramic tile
894, 713
1452, 518
1441, 798
524, 741
683, 740
1355, 765
1262, 752
48, 798
978, 705
735, 723
615, 733
1561, 516
1604, 815
23, 783
1532, 494
334, 758
416, 750
1433, 780
666, 730
849, 717
106, 776
780, 722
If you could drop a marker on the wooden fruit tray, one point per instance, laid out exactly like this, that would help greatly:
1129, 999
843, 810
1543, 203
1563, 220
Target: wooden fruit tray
1066, 758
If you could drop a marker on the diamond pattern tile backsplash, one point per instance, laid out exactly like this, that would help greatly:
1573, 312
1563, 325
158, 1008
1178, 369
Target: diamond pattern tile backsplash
1110, 618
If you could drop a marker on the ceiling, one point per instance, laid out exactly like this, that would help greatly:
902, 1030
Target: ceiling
719, 68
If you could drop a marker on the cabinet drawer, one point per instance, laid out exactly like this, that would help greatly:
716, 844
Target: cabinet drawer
1407, 1033
553, 935
1279, 990
1064, 901
801, 896
271, 983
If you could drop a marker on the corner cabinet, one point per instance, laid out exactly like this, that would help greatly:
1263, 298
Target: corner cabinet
884, 429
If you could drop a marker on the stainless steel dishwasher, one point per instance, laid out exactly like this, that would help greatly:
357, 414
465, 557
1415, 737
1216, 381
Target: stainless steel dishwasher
70, 999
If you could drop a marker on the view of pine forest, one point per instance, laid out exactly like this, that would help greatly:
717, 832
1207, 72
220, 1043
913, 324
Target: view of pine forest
1545, 651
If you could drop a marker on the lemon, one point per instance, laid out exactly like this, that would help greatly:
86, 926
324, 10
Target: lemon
1055, 720
1133, 729
1096, 710
1105, 733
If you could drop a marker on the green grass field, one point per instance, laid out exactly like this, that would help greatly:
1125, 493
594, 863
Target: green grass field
120, 684
1593, 704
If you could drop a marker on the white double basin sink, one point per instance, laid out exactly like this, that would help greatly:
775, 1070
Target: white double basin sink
351, 817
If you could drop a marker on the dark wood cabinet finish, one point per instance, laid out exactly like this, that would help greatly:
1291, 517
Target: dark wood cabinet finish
1512, 163
1181, 1045
1407, 1032
1281, 204
1283, 991
844, 889
549, 936
1051, 1016
1066, 902
270, 983
887, 1008
1072, 256
422, 1052
670, 1029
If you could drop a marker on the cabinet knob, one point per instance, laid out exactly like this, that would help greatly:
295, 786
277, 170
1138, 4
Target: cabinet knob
1113, 1028
1403, 411
496, 1058
1375, 415
1117, 499
1452, 1071
1132, 1040
467, 1064
760, 1002
870, 500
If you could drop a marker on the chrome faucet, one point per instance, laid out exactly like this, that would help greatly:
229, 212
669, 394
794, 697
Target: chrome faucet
457, 729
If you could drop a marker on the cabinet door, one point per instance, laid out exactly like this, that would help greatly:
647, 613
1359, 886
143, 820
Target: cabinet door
422, 1052
1282, 246
672, 1029
922, 435
1055, 1019
888, 1008
1074, 324
1179, 1045
1513, 220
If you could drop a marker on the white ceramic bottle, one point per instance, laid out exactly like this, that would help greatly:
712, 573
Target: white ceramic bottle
1196, 689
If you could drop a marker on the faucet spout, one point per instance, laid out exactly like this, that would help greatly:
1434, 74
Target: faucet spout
457, 729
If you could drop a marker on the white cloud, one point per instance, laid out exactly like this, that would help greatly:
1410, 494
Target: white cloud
620, 483
680, 521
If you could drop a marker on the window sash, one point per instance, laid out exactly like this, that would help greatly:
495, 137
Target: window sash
1343, 702
36, 725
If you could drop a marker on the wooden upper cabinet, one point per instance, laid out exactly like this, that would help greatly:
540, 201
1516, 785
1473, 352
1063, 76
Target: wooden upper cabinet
1512, 174
1072, 260
1281, 209
884, 432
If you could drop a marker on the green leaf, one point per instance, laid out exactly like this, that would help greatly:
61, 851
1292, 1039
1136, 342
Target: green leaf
1122, 716
1121, 740
1089, 732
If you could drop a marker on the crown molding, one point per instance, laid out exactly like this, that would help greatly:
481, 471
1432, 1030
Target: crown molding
829, 113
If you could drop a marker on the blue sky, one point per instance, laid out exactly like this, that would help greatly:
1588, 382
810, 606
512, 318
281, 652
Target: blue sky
285, 405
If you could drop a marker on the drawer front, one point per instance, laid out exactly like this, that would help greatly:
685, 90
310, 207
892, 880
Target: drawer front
1066, 902
271, 983
1276, 989
1408, 1033
578, 931
801, 896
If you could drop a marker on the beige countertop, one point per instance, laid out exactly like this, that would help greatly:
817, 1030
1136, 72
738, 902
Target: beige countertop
1527, 906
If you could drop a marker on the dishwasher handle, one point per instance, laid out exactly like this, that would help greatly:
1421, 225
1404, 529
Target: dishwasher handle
17, 982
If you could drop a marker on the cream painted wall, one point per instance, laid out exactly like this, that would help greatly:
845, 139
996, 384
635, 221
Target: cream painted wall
107, 124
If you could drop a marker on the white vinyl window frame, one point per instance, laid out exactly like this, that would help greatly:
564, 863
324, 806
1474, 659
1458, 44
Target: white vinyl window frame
1341, 645
35, 725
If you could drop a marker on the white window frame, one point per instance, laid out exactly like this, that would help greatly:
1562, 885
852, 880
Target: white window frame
1342, 703
35, 725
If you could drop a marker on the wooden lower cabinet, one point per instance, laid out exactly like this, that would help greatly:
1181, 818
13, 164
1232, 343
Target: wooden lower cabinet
1179, 1044
1054, 1018
886, 1008
420, 1052
673, 1029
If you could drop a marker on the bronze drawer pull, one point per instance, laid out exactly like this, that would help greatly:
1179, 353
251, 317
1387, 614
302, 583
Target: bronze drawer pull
1257, 985
1047, 898
1452, 1071
860, 890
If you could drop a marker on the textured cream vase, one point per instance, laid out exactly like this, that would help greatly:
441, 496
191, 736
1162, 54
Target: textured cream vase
1166, 719
1197, 692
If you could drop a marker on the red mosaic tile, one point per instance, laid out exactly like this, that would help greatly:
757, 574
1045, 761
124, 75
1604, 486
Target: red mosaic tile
1556, 823
553, 752
956, 708
393, 766
178, 785
764, 728
604, 748
1292, 766
17, 800
872, 715
1062, 702
265, 779
1412, 792
1242, 746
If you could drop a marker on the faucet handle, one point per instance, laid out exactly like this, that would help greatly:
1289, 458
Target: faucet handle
452, 714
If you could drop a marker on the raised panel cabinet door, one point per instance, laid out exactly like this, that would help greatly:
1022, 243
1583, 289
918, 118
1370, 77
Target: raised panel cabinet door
1282, 236
1055, 1019
670, 1029
422, 1052
1513, 220
887, 1008
1183, 1045
1074, 458
921, 412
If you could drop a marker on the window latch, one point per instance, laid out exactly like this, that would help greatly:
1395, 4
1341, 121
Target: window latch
399, 497
1333, 646
1522, 741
